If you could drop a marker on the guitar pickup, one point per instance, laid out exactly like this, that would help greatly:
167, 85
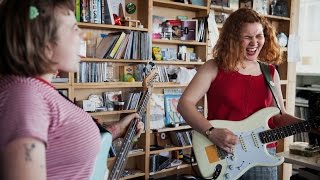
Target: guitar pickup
243, 145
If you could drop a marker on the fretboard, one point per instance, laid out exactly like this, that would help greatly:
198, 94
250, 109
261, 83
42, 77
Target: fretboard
286, 131
121, 158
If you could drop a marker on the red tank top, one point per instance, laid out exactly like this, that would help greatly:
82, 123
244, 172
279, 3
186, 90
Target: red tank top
234, 96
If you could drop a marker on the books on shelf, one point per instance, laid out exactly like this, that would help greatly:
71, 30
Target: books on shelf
124, 45
59, 80
157, 113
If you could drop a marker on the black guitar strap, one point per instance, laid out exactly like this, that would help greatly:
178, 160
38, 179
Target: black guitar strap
267, 77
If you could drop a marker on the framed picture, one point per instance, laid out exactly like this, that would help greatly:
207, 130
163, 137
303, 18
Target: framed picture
171, 112
246, 4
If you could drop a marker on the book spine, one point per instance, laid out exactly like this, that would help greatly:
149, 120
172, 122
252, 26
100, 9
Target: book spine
116, 46
93, 11
102, 12
77, 10
85, 11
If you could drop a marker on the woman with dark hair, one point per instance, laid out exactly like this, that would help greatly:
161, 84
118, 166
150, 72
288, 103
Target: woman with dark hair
44, 135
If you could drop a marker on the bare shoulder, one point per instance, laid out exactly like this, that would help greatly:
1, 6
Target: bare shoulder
209, 68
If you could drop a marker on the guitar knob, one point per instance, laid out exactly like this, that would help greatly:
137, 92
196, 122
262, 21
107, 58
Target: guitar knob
231, 167
227, 175
232, 158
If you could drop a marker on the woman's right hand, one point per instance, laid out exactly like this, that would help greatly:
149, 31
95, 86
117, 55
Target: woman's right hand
224, 138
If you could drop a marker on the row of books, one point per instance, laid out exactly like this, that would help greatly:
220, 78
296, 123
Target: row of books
132, 100
181, 138
162, 74
97, 11
104, 72
93, 72
125, 45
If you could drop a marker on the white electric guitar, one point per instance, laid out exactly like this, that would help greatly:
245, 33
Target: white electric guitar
254, 134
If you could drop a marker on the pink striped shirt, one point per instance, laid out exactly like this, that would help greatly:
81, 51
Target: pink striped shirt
32, 108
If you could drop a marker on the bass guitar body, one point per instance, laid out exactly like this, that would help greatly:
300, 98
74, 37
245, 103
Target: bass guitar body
100, 169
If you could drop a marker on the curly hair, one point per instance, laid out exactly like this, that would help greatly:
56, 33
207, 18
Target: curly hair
228, 50
24, 39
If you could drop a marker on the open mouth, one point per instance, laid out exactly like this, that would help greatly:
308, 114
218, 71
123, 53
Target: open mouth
251, 51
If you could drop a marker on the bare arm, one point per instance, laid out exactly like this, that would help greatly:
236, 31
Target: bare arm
196, 90
24, 159
284, 118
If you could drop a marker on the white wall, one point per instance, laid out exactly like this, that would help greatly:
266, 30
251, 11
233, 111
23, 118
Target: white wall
309, 32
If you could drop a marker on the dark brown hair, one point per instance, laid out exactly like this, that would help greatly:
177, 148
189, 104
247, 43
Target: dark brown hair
228, 51
23, 39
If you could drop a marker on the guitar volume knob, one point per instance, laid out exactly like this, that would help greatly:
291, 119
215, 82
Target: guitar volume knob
231, 167
227, 175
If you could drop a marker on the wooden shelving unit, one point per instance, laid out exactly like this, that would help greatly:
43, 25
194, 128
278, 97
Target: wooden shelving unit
163, 41
178, 5
169, 9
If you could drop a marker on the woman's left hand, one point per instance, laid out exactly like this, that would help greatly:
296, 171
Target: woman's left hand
124, 123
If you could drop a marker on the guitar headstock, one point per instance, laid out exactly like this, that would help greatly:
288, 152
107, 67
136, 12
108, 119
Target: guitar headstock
150, 73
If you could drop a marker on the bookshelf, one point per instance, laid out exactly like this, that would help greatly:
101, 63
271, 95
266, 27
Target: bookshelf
170, 10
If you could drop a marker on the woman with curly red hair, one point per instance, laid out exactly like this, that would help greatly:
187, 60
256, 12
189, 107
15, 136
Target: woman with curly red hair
235, 85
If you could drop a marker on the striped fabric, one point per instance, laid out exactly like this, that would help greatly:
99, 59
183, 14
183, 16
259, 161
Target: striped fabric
32, 108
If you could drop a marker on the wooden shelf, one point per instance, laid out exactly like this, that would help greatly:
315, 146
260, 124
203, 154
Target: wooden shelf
308, 88
165, 41
178, 62
139, 174
174, 62
177, 5
307, 74
130, 155
61, 85
107, 85
302, 105
111, 112
283, 82
109, 26
222, 9
173, 128
173, 168
114, 60
168, 84
229, 10
174, 148
277, 17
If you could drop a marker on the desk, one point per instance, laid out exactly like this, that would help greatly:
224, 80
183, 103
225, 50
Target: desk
310, 162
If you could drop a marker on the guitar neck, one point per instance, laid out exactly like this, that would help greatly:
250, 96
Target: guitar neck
286, 131
121, 158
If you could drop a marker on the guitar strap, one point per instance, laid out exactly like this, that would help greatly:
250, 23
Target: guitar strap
267, 77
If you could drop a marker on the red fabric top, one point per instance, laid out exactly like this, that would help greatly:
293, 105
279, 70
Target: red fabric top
234, 96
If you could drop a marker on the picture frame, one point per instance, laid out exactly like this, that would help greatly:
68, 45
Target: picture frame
246, 4
172, 116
